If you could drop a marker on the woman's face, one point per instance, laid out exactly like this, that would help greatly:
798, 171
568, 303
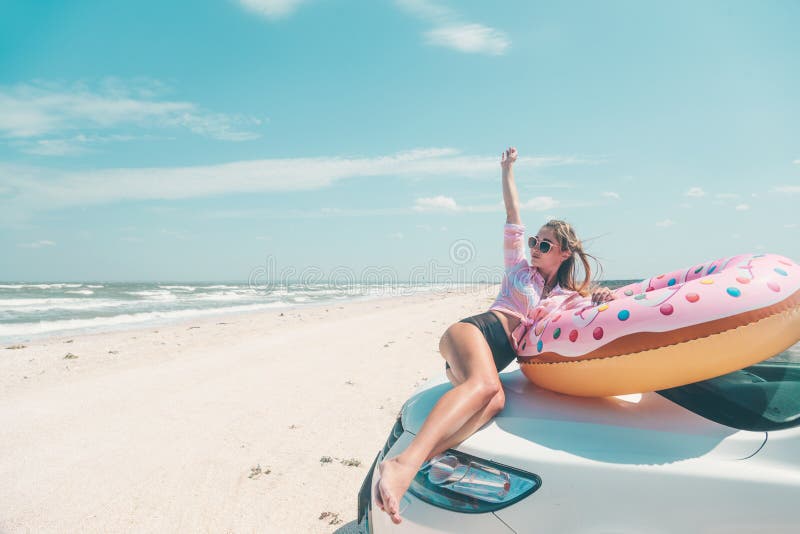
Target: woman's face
551, 261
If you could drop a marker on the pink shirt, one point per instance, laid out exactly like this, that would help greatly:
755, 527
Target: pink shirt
521, 291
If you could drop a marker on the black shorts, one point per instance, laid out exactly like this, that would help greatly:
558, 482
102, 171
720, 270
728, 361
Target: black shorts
492, 329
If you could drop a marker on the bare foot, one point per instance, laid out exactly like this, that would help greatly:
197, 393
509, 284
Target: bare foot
395, 478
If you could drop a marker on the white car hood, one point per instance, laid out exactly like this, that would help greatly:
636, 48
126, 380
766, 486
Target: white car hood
632, 429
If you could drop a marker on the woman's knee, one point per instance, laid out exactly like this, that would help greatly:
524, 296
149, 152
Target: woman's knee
487, 388
498, 402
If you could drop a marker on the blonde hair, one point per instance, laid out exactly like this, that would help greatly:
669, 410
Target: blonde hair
567, 275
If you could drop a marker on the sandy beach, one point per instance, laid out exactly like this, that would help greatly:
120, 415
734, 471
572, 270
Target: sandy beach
258, 422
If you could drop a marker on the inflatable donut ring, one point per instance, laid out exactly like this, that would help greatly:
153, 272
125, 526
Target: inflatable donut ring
667, 331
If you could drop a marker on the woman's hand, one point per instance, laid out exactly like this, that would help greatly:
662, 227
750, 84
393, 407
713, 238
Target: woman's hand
602, 294
508, 158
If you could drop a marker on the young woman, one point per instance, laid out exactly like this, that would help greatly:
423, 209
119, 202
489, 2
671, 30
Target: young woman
477, 348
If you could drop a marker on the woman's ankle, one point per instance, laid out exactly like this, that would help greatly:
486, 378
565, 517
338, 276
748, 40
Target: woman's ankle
409, 459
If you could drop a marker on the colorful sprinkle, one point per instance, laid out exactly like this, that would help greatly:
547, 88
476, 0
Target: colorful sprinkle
712, 269
781, 271
773, 286
573, 336
602, 307
692, 297
707, 281
598, 333
557, 333
698, 269
742, 280
539, 345
671, 282
785, 262
628, 292
557, 318
659, 277
524, 344
640, 297
734, 292
666, 309
623, 315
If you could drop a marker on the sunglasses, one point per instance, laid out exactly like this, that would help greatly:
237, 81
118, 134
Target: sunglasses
544, 246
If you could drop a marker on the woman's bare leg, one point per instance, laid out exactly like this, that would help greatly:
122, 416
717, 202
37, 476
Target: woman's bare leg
456, 377
458, 414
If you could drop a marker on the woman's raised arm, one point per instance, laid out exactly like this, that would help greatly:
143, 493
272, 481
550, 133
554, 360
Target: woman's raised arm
510, 197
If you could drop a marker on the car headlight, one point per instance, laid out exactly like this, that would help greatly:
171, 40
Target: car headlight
462, 483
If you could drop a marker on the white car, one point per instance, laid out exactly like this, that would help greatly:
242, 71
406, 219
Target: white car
717, 456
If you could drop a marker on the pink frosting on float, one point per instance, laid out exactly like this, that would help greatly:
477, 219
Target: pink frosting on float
683, 298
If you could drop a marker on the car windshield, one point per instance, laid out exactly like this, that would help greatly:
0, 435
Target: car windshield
765, 396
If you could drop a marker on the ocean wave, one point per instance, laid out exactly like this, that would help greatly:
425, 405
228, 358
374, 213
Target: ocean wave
181, 288
153, 294
69, 303
80, 291
221, 287
101, 323
220, 298
39, 286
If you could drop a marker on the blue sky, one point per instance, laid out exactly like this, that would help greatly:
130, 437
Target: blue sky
195, 140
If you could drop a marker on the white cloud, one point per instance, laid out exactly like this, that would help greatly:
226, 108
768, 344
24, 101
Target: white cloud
40, 188
53, 147
37, 244
790, 225
451, 31
303, 213
474, 38
540, 203
33, 111
742, 207
791, 189
272, 9
695, 192
666, 223
796, 162
610, 194
71, 146
437, 203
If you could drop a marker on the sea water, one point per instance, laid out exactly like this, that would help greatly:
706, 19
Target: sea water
34, 310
